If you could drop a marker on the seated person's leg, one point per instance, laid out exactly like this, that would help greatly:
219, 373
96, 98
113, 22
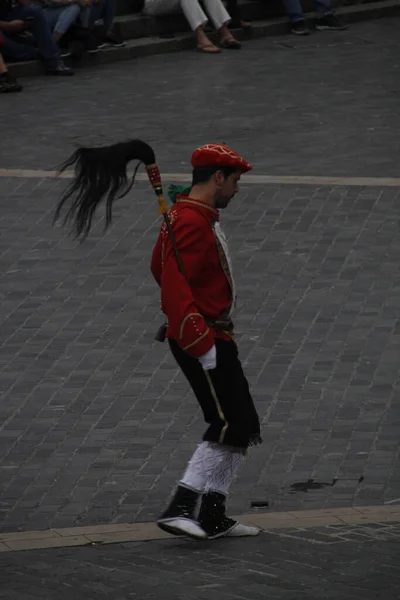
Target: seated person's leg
8, 83
197, 18
17, 52
61, 18
326, 19
294, 11
220, 18
42, 34
107, 13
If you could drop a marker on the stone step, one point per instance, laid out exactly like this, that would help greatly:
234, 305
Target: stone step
255, 9
126, 7
144, 37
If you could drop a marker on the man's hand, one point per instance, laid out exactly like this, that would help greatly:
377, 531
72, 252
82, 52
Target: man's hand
209, 360
14, 26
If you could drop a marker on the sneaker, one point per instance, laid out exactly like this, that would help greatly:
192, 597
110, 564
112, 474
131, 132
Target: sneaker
299, 28
214, 521
330, 22
60, 69
179, 518
9, 84
112, 40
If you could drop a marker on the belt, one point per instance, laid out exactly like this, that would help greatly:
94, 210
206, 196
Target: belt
220, 324
225, 325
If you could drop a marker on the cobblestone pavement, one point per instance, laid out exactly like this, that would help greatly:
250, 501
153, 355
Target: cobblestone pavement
358, 563
96, 421
323, 105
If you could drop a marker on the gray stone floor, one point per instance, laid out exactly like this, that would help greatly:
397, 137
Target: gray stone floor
358, 563
322, 105
96, 423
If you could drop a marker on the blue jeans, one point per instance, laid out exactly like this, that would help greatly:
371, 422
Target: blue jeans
295, 12
105, 9
13, 50
60, 18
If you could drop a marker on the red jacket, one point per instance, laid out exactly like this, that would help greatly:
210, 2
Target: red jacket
208, 289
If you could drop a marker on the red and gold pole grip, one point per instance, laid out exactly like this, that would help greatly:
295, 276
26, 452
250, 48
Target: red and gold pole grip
154, 176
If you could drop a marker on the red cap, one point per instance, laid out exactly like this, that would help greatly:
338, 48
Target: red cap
220, 155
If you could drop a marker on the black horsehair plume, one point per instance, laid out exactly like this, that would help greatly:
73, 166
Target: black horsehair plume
99, 173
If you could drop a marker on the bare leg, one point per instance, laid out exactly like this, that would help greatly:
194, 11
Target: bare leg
3, 68
225, 34
204, 43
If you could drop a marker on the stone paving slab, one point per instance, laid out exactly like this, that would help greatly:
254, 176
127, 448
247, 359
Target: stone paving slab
97, 422
355, 563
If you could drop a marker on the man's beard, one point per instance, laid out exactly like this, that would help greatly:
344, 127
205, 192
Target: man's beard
223, 202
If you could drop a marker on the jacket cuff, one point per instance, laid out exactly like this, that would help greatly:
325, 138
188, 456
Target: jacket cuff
201, 346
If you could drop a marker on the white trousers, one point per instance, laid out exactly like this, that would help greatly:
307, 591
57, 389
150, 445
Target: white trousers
192, 10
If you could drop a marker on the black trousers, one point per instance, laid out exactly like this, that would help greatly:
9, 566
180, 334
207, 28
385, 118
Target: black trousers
224, 396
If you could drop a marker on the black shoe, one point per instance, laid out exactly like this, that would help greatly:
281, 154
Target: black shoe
112, 40
330, 22
9, 84
60, 69
213, 519
179, 518
299, 28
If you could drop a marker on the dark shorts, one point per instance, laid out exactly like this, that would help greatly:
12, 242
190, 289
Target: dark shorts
224, 396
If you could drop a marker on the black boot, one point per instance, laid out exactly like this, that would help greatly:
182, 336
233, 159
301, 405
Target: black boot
213, 519
179, 518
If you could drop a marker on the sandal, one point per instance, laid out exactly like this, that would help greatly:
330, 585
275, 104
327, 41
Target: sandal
208, 49
230, 44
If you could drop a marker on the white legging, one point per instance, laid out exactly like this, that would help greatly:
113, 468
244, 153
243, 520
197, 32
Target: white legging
212, 468
192, 10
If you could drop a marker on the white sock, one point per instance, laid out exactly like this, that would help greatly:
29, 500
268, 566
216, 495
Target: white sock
202, 465
224, 472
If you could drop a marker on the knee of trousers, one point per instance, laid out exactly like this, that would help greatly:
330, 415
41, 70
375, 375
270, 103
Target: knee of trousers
34, 11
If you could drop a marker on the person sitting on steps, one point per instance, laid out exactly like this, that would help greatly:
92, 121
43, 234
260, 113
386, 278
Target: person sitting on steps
326, 20
21, 17
196, 18
61, 15
104, 10
8, 83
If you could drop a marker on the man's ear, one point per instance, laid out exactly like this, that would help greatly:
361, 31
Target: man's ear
219, 178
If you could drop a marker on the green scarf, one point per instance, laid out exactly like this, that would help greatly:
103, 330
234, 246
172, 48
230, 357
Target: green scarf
174, 190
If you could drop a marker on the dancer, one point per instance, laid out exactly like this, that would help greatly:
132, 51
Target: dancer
191, 264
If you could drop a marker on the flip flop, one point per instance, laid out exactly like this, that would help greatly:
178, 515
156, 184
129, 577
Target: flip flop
231, 44
208, 49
